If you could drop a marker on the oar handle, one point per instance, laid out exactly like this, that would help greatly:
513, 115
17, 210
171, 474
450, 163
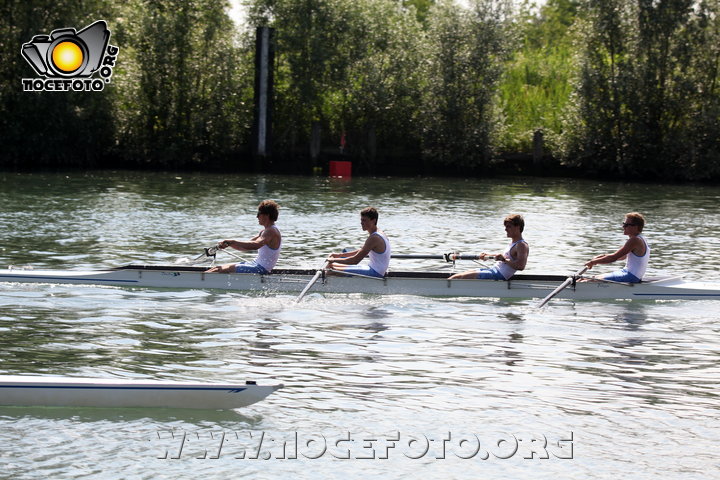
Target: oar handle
208, 252
448, 257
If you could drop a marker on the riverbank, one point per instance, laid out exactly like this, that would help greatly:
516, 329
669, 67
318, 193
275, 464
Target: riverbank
513, 165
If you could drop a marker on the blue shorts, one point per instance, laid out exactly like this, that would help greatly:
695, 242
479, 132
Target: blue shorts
361, 270
250, 267
489, 274
621, 276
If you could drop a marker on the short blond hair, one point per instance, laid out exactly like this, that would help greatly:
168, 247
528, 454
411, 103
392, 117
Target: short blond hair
637, 219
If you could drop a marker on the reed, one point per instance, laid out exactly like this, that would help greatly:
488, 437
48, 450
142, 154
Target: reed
537, 82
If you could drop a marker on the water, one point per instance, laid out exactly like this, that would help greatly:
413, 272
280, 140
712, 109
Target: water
449, 388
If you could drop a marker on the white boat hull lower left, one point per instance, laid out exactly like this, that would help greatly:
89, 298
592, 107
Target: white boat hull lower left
116, 393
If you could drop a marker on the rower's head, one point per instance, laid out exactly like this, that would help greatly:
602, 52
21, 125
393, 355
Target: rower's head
633, 220
368, 218
269, 208
514, 221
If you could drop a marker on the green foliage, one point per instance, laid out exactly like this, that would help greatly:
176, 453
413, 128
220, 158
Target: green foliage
537, 84
467, 49
347, 66
313, 52
379, 97
619, 88
176, 97
46, 128
184, 104
647, 103
422, 8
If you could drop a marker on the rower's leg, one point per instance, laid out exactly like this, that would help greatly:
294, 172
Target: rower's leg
470, 274
229, 268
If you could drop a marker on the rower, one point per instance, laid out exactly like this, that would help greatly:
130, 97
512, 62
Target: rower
636, 250
267, 243
377, 246
509, 261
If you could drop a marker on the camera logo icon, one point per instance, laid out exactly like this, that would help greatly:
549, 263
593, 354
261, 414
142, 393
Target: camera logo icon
67, 54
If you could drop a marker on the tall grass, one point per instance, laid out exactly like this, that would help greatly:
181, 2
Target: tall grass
537, 83
533, 95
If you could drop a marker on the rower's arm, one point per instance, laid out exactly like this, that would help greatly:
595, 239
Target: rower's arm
342, 254
620, 254
252, 244
356, 257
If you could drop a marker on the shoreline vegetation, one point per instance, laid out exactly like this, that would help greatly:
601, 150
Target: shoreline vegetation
614, 89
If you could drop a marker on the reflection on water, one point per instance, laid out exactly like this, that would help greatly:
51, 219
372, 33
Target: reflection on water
636, 382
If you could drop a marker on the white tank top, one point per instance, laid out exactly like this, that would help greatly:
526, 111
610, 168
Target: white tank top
267, 257
506, 270
380, 261
638, 265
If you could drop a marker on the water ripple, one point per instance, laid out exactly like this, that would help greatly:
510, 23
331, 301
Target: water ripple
635, 382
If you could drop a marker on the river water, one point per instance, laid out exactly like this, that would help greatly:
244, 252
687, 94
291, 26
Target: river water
375, 387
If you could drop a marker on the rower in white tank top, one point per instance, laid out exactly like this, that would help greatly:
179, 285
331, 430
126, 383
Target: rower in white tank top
510, 261
637, 265
267, 257
380, 262
504, 267
636, 250
377, 247
268, 243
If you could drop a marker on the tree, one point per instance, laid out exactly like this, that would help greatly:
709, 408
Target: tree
646, 102
187, 98
382, 90
49, 128
537, 84
467, 51
343, 66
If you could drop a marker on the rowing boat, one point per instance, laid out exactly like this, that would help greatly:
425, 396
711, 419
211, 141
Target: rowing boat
394, 283
116, 393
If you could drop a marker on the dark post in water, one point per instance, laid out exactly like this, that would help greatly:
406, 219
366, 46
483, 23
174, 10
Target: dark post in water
538, 148
264, 56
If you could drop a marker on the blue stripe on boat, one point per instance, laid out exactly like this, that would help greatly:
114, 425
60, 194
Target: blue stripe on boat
70, 278
675, 294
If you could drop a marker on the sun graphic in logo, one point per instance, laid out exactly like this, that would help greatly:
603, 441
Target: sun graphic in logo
67, 56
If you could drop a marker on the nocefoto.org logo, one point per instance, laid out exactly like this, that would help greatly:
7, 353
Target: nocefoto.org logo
67, 59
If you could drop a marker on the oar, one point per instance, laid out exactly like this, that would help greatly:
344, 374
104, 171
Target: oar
562, 286
448, 257
312, 282
232, 254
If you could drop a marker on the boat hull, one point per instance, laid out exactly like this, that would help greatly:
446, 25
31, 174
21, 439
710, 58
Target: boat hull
114, 393
396, 283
